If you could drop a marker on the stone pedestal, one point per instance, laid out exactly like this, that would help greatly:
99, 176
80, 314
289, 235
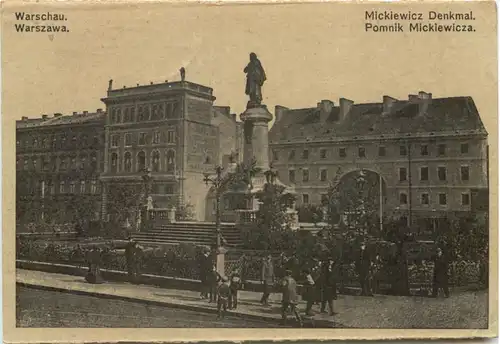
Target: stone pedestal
256, 144
220, 254
171, 215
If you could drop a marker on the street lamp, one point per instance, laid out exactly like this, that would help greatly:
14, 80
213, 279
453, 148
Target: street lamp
217, 182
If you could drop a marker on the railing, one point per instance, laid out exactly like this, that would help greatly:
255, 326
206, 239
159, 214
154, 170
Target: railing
246, 216
161, 216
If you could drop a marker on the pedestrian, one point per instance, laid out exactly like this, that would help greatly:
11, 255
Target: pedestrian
316, 275
328, 284
234, 285
206, 265
213, 280
375, 272
223, 295
289, 299
267, 278
131, 257
363, 269
309, 293
440, 278
94, 273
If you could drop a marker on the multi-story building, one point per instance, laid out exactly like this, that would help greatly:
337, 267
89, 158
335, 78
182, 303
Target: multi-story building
58, 163
174, 130
429, 156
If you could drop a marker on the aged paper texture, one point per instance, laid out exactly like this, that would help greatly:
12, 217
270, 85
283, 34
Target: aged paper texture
197, 171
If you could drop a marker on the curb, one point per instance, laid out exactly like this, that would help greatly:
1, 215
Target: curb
309, 321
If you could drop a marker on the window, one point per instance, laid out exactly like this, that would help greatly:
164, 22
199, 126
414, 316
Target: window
72, 187
442, 199
141, 161
73, 140
115, 141
126, 115
305, 199
323, 175
464, 173
169, 189
44, 164
93, 186
63, 165
361, 152
62, 187
305, 175
51, 188
424, 173
442, 149
114, 162
54, 142
464, 148
402, 174
291, 176
35, 163
35, 142
381, 151
171, 161
402, 150
465, 199
53, 163
424, 199
142, 139
322, 153
424, 150
128, 140
73, 162
82, 186
156, 161
291, 155
403, 198
305, 154
44, 142
442, 173
25, 164
93, 161
128, 162
156, 137
275, 155
342, 152
83, 162
171, 136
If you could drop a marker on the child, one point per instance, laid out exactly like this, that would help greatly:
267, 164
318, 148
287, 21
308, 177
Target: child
223, 293
234, 285
213, 280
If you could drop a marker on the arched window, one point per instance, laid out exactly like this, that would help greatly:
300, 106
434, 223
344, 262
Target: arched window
118, 115
83, 162
128, 162
93, 161
141, 161
170, 161
156, 161
114, 162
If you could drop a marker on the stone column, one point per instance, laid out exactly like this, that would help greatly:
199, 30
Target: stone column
256, 144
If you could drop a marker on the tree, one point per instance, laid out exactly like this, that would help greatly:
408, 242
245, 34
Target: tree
124, 201
310, 213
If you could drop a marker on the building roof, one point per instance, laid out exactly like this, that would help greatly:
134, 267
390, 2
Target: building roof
76, 118
405, 117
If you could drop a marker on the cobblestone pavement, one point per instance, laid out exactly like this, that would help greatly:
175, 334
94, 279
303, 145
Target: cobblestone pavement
42, 308
466, 310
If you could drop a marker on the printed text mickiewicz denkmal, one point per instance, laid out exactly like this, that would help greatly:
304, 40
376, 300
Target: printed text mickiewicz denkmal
411, 15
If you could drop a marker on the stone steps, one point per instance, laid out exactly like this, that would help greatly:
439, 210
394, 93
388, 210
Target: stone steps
192, 233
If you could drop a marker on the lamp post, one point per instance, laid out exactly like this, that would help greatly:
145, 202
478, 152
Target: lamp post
146, 177
217, 182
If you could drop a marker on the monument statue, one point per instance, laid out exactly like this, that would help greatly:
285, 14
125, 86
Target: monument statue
183, 73
255, 79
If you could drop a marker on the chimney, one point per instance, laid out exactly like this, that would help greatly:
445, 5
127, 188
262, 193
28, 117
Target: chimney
388, 103
85, 113
425, 100
279, 112
45, 117
325, 108
57, 115
99, 110
345, 107
233, 116
75, 113
24, 118
413, 98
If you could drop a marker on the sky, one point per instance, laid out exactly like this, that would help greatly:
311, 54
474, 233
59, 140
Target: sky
309, 51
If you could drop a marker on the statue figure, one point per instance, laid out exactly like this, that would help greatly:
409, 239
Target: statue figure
255, 79
183, 73
110, 84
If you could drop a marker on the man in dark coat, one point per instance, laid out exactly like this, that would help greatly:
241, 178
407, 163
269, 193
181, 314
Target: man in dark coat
328, 284
440, 278
267, 278
363, 269
132, 256
206, 266
94, 273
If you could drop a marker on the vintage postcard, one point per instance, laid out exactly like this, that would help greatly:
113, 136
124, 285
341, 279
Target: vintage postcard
241, 171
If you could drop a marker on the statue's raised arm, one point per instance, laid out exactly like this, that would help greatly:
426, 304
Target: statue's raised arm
256, 76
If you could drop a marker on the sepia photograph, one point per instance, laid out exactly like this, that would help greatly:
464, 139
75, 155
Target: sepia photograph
316, 170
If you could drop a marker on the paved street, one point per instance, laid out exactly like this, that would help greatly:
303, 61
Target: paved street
466, 309
41, 308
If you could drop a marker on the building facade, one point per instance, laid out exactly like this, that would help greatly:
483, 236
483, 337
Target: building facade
59, 160
430, 156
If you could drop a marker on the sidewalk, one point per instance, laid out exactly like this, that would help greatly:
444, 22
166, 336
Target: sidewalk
351, 311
